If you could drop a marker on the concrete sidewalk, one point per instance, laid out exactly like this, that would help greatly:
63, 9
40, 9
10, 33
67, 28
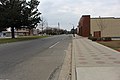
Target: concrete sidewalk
93, 61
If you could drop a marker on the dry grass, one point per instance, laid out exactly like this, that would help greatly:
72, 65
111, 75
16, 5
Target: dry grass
112, 44
9, 40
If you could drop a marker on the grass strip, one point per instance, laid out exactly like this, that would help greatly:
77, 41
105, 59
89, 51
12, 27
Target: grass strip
112, 44
9, 40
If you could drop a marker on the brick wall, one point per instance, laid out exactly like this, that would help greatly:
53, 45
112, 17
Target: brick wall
84, 26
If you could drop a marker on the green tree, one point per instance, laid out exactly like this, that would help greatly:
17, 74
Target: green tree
31, 15
19, 13
11, 14
2, 22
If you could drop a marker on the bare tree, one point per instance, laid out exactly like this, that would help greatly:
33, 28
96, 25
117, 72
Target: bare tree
43, 24
101, 24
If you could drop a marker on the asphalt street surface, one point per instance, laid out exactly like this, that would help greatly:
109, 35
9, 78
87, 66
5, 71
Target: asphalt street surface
39, 59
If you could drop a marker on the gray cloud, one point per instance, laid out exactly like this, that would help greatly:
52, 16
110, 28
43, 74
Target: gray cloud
69, 11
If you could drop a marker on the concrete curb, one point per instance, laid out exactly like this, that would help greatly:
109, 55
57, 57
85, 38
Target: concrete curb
73, 77
65, 73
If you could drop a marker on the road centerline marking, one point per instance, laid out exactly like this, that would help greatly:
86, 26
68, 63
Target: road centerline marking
54, 45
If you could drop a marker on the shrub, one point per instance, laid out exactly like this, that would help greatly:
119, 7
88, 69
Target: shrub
99, 39
106, 38
92, 38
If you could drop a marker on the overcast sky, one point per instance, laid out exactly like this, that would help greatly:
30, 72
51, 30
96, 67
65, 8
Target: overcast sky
68, 12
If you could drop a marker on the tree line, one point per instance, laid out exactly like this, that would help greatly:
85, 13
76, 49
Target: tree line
54, 31
16, 14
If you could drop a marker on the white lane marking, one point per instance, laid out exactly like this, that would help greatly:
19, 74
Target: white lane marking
53, 45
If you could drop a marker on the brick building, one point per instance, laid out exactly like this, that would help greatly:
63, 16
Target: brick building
84, 26
99, 27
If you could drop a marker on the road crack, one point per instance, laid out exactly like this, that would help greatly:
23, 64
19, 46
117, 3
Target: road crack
55, 73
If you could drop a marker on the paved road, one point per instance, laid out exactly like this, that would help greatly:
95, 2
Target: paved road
39, 59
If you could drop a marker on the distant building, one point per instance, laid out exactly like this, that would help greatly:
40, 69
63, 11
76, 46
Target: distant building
20, 32
99, 27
